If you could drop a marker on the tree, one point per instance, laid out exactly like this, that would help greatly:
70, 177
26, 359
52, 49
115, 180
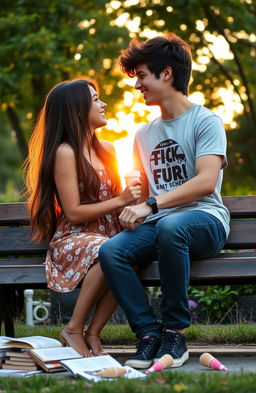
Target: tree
45, 42
198, 22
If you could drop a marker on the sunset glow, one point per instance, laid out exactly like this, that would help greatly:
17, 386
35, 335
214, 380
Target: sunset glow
132, 106
131, 101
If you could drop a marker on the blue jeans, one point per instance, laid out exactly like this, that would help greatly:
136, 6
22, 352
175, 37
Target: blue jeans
174, 240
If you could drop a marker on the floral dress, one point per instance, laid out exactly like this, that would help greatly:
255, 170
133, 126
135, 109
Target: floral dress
74, 248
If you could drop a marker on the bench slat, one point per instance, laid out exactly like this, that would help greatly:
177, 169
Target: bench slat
242, 234
239, 207
17, 262
13, 214
27, 272
17, 240
23, 279
231, 267
23, 276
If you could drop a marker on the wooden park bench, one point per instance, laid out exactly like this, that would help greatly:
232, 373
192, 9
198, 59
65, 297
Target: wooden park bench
21, 261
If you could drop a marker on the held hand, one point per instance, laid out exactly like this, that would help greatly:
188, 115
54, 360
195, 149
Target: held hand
130, 194
132, 214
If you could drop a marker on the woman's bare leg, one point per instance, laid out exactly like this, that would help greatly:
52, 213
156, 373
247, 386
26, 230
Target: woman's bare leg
103, 311
93, 286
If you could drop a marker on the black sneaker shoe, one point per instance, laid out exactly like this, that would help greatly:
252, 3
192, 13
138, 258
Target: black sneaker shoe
147, 349
174, 344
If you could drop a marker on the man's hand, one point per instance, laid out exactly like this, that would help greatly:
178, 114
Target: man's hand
131, 215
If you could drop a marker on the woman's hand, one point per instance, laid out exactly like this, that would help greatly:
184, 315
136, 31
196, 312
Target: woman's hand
130, 194
131, 215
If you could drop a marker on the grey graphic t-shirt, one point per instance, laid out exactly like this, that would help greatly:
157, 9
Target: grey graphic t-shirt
167, 151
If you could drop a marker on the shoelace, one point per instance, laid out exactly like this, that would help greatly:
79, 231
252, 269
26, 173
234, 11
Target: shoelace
169, 342
144, 344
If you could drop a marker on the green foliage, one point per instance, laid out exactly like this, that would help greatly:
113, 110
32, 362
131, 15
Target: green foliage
239, 176
234, 21
10, 159
10, 194
40, 43
42, 295
215, 301
44, 43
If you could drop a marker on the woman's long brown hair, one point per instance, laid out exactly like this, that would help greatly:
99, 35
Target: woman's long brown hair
63, 119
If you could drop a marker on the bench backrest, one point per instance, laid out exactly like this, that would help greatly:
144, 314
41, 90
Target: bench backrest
15, 230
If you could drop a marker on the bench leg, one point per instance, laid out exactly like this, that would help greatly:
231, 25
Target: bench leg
9, 327
11, 306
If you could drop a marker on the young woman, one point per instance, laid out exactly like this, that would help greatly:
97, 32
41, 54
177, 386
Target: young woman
74, 195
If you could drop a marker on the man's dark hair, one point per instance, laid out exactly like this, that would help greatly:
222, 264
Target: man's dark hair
158, 53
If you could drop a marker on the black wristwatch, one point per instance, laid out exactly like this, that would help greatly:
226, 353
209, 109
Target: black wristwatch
151, 201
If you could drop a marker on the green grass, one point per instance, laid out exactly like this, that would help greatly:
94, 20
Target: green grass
222, 334
171, 382
122, 335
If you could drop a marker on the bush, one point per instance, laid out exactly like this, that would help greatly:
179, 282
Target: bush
215, 301
210, 304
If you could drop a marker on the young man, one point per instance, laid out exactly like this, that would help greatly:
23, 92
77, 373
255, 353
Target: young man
181, 156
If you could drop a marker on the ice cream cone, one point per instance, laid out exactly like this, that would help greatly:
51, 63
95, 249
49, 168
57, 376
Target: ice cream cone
164, 362
111, 372
207, 360
132, 177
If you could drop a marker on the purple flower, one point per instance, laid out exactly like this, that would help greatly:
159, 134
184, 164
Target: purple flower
192, 304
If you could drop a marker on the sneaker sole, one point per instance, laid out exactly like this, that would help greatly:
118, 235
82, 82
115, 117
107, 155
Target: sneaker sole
180, 361
139, 363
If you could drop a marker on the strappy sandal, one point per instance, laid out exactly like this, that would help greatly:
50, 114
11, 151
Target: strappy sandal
100, 351
65, 342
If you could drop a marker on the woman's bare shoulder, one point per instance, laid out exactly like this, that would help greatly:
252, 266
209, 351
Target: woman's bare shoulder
65, 151
108, 146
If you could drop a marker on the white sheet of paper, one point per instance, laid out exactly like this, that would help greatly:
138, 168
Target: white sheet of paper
90, 364
131, 374
19, 373
53, 354
3, 340
35, 341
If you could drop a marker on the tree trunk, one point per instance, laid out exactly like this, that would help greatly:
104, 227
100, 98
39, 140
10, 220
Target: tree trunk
38, 86
15, 122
